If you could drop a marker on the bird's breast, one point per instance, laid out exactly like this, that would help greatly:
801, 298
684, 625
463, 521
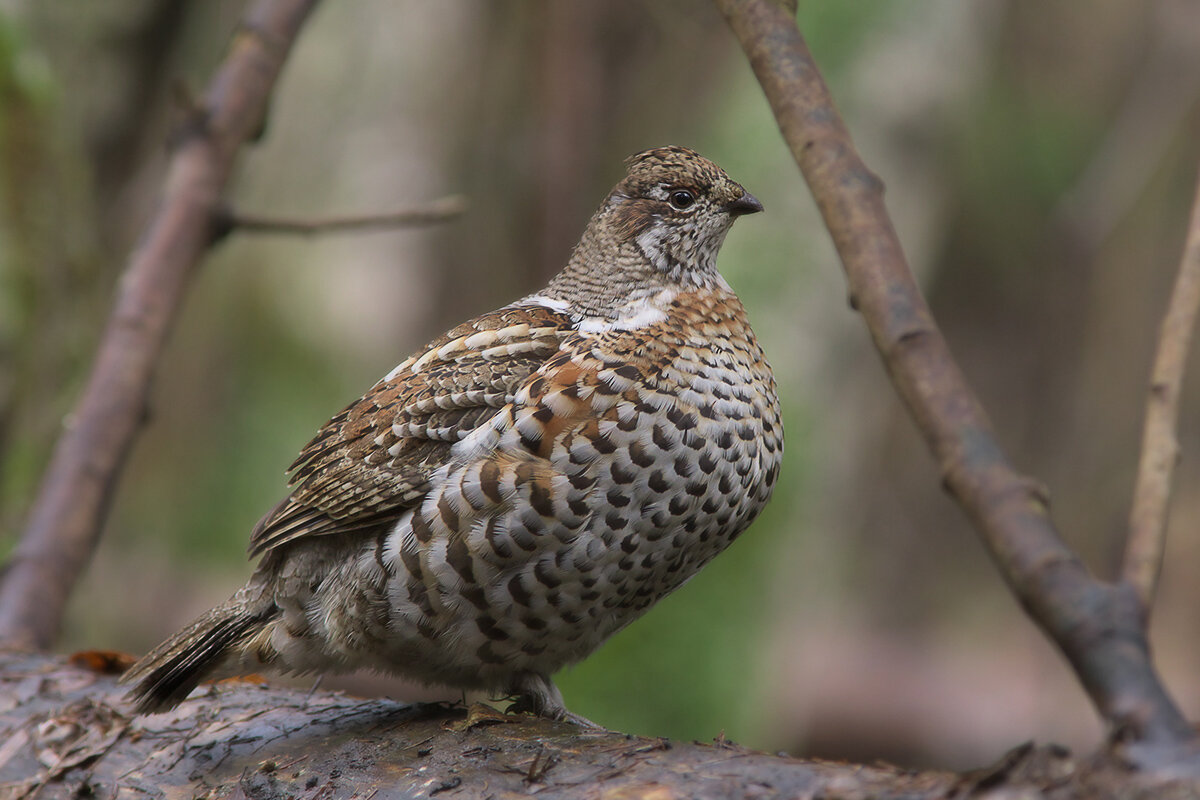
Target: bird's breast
677, 420
627, 461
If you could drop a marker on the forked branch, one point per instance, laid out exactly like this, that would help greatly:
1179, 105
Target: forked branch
1160, 445
1098, 626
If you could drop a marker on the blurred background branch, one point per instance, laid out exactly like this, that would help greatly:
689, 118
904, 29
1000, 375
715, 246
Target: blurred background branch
442, 210
1160, 441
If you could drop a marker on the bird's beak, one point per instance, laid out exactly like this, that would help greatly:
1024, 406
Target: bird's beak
746, 204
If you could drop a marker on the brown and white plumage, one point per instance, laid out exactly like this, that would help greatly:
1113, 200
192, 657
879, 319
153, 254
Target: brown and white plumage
528, 483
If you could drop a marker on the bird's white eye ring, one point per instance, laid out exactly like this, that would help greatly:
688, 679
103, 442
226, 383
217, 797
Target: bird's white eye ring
681, 199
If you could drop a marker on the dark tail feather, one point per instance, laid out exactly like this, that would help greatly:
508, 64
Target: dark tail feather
172, 670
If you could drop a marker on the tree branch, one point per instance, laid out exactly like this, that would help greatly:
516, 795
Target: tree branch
1097, 626
68, 513
445, 208
1160, 447
66, 732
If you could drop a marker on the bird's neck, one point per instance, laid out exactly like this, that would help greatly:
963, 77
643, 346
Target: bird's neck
606, 275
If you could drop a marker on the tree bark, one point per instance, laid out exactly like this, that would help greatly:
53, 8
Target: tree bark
66, 732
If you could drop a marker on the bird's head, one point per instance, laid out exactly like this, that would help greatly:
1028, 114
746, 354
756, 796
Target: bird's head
676, 206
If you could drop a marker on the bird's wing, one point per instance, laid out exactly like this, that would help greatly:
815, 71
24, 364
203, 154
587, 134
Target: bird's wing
374, 459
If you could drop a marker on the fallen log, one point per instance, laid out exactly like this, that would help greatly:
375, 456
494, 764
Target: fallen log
66, 731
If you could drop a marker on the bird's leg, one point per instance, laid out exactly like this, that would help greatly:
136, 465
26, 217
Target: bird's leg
537, 694
313, 689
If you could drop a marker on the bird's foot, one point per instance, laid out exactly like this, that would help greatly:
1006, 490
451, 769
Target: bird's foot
537, 695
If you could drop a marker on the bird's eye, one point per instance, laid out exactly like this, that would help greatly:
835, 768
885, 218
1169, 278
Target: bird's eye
681, 198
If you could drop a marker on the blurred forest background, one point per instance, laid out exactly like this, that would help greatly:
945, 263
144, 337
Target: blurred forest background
1039, 157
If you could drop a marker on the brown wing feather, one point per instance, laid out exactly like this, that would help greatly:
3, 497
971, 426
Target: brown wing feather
373, 460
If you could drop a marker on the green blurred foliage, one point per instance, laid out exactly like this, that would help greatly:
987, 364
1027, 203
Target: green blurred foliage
24, 92
48, 268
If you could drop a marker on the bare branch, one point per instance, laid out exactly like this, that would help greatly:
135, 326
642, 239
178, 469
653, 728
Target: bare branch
1098, 626
440, 210
69, 511
1160, 447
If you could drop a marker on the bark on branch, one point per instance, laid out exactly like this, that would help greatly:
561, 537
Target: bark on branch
1160, 445
1098, 626
446, 208
65, 733
68, 514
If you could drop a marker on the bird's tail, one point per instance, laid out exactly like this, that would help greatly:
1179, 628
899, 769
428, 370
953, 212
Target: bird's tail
210, 645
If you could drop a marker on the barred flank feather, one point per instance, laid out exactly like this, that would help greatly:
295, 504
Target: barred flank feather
172, 670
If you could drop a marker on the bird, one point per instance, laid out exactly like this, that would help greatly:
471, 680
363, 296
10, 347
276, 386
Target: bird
527, 484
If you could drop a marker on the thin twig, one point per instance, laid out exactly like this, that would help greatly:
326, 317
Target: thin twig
1160, 446
441, 210
68, 514
1098, 626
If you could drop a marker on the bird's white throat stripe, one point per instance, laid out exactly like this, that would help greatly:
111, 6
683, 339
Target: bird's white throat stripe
640, 313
